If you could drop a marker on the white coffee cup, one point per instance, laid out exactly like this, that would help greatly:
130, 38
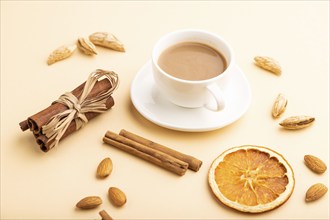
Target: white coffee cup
191, 93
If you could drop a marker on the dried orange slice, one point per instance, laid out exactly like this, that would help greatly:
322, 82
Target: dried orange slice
251, 179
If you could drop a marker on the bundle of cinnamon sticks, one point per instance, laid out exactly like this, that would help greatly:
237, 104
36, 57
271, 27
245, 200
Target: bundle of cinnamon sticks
155, 153
38, 120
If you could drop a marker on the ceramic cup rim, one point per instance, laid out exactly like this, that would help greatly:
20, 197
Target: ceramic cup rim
229, 58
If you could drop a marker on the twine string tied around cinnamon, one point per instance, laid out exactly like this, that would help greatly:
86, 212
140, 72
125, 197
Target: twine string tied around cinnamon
77, 108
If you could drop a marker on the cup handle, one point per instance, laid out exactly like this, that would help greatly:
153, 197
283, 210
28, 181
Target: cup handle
217, 94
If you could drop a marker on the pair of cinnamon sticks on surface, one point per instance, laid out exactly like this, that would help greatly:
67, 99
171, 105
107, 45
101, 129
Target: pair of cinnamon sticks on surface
155, 153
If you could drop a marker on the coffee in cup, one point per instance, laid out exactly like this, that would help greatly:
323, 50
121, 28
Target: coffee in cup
189, 67
192, 61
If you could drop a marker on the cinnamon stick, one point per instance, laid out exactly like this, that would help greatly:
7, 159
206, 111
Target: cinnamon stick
105, 215
43, 142
154, 156
24, 125
36, 121
194, 164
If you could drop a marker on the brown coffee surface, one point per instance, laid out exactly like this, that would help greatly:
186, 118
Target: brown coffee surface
192, 61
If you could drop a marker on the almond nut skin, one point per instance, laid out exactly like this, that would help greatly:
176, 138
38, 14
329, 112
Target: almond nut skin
89, 202
315, 192
116, 196
315, 164
104, 169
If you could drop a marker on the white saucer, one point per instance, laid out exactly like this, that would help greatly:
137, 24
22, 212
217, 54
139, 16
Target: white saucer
156, 108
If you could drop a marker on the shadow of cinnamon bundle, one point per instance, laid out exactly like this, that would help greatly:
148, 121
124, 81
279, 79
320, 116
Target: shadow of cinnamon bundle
72, 110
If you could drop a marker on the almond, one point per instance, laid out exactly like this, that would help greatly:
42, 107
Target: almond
89, 202
297, 122
315, 164
269, 64
61, 53
86, 46
279, 106
108, 40
116, 196
104, 169
315, 192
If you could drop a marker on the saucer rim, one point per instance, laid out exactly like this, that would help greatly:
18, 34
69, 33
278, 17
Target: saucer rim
167, 125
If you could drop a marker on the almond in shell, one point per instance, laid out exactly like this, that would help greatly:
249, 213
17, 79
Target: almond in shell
86, 46
61, 53
269, 64
107, 40
279, 106
297, 122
